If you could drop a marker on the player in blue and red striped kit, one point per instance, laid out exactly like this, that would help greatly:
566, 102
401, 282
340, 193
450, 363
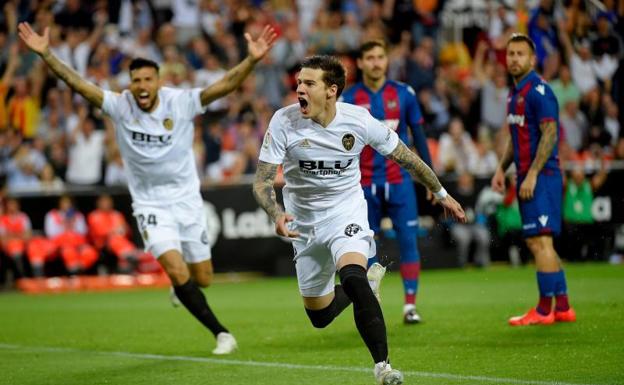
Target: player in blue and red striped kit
533, 118
389, 189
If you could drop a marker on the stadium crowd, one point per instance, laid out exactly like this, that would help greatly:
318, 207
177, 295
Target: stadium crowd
450, 52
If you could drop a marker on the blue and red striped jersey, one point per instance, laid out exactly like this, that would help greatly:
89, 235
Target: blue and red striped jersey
394, 104
530, 103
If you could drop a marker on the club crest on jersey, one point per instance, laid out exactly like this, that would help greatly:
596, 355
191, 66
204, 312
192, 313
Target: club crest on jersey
348, 140
168, 124
519, 100
352, 229
391, 104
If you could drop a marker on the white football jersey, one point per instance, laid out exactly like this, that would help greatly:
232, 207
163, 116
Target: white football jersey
157, 147
322, 164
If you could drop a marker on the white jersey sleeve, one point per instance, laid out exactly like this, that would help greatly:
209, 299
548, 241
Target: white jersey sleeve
111, 104
189, 102
380, 137
274, 144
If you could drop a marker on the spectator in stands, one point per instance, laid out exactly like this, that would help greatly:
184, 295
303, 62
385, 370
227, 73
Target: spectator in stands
21, 170
15, 231
49, 182
210, 72
492, 79
24, 107
115, 172
564, 88
575, 125
5, 84
605, 47
420, 66
67, 229
457, 152
581, 67
577, 216
109, 232
475, 228
86, 151
611, 122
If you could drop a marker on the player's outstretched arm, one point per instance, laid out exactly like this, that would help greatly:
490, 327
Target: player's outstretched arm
423, 173
41, 46
234, 78
265, 196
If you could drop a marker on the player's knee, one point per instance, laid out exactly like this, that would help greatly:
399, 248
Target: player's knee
352, 273
203, 279
178, 274
534, 245
321, 318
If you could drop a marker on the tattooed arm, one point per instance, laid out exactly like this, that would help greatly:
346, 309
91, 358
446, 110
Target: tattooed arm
235, 76
545, 145
265, 196
420, 171
417, 168
40, 45
263, 189
544, 150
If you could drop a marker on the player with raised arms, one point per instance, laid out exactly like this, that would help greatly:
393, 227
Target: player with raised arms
154, 131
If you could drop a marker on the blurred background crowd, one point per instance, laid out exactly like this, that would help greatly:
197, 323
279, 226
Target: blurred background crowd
452, 52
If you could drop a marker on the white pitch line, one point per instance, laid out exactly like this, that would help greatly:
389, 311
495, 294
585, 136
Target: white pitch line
282, 365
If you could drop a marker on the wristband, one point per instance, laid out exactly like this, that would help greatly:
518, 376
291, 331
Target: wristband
440, 194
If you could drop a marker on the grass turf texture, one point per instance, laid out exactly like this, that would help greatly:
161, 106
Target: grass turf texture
72, 338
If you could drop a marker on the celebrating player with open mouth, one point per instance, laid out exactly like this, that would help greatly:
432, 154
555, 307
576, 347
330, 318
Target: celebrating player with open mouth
154, 131
319, 142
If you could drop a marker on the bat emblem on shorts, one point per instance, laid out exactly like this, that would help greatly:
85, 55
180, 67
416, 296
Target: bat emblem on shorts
352, 229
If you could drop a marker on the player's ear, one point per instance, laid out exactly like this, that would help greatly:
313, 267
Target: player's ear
332, 91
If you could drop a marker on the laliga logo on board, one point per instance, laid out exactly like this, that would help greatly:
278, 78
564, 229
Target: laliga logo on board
232, 225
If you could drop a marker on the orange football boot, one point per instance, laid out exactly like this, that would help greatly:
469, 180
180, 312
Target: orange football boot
532, 317
565, 316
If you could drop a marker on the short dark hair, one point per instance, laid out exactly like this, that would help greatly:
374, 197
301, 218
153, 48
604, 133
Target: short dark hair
140, 62
370, 44
333, 71
520, 37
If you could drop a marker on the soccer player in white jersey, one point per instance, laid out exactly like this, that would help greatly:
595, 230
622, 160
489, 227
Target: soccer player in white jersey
154, 131
318, 142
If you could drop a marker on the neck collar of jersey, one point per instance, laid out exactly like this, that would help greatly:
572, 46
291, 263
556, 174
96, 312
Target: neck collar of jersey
530, 75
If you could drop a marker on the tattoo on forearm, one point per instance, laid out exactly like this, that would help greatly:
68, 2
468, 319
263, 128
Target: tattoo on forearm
415, 166
74, 81
545, 146
263, 189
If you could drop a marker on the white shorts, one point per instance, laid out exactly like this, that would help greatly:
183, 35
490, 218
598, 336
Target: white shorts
320, 246
180, 226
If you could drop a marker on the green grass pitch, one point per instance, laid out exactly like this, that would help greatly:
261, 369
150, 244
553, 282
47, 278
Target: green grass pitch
137, 337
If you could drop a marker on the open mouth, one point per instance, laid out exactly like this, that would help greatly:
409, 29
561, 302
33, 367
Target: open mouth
304, 106
144, 97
